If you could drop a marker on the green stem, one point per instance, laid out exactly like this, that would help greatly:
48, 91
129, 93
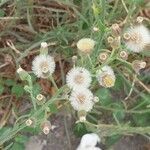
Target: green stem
54, 83
9, 134
109, 130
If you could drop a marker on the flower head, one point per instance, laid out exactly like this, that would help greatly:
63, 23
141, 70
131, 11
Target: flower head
43, 66
46, 127
78, 77
86, 45
89, 141
106, 76
81, 100
137, 38
137, 65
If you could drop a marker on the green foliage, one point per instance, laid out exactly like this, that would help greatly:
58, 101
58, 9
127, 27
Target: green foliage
17, 90
1, 89
104, 96
80, 129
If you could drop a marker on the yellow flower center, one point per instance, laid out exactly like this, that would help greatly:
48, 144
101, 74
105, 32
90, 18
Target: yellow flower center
108, 81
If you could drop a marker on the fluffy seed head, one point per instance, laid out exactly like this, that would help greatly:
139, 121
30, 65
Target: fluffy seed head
89, 141
78, 77
106, 76
81, 99
86, 45
43, 66
138, 38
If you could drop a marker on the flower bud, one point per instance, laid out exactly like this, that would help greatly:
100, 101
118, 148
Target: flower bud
126, 36
86, 45
44, 48
110, 39
95, 29
40, 99
137, 65
139, 19
74, 59
115, 30
123, 55
29, 122
24, 75
103, 56
46, 127
95, 99
82, 116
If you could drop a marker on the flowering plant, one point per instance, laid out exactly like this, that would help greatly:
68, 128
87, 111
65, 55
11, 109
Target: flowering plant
105, 73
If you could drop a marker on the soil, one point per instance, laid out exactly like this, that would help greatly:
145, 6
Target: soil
60, 139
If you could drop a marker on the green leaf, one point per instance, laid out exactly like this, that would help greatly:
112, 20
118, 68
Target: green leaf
10, 82
80, 129
118, 113
104, 96
1, 89
112, 140
53, 108
141, 119
119, 83
17, 146
2, 13
17, 90
36, 89
21, 139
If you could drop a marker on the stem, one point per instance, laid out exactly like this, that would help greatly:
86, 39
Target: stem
9, 134
31, 94
54, 83
109, 130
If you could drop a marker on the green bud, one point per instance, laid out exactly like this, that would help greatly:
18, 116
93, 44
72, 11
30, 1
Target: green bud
44, 48
24, 75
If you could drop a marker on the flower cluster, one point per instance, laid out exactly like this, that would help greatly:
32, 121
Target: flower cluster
79, 80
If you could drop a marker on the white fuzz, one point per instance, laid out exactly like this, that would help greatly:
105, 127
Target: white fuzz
44, 45
89, 141
81, 99
78, 78
85, 45
106, 76
43, 66
19, 70
139, 38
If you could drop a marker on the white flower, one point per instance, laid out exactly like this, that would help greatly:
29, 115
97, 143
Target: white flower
43, 66
106, 76
78, 78
81, 99
138, 37
85, 45
89, 141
